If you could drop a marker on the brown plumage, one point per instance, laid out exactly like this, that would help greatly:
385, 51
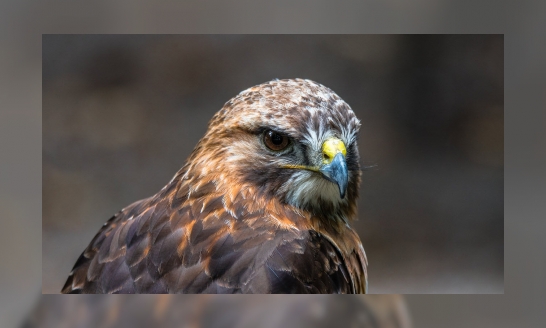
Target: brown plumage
262, 205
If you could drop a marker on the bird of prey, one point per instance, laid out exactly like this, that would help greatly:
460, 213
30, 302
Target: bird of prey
262, 205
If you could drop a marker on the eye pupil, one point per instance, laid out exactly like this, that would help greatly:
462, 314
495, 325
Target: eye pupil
275, 141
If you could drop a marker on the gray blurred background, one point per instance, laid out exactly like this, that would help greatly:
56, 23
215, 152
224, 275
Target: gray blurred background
122, 113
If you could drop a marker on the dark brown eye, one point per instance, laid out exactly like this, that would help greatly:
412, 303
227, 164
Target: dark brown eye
275, 141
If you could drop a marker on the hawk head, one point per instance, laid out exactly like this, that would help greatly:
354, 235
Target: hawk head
292, 140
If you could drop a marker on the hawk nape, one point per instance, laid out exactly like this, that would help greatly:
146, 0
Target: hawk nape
262, 205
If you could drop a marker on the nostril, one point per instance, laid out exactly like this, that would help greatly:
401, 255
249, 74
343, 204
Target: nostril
326, 157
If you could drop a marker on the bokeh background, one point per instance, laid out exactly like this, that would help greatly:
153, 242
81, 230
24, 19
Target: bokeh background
219, 311
121, 113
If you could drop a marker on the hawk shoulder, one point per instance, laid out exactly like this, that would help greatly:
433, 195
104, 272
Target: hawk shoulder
151, 247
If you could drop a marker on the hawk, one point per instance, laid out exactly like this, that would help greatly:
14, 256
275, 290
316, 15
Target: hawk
262, 205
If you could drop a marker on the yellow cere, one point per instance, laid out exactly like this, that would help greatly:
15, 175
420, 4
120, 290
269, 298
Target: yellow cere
331, 147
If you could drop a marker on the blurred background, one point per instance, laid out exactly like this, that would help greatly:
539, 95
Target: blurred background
121, 113
219, 311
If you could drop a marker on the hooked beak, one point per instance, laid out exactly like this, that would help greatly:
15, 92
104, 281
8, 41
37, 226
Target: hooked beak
334, 166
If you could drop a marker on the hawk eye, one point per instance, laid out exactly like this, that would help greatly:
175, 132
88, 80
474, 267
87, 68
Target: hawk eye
275, 141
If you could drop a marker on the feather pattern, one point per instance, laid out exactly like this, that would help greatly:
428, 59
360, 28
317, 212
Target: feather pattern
232, 220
